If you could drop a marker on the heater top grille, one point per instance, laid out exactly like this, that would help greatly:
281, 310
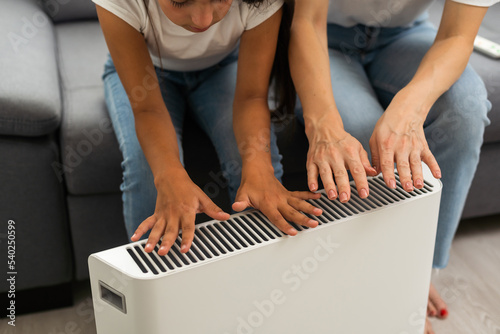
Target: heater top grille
216, 239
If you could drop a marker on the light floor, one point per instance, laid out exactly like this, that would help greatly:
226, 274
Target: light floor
470, 285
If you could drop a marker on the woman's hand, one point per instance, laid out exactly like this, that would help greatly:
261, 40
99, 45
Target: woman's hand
262, 191
331, 153
399, 138
177, 203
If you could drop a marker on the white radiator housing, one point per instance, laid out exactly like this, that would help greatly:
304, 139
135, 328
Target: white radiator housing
365, 269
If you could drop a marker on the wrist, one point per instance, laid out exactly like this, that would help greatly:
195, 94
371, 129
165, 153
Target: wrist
326, 129
170, 173
256, 169
413, 99
326, 121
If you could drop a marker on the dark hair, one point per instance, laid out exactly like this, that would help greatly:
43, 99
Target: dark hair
256, 3
284, 90
281, 80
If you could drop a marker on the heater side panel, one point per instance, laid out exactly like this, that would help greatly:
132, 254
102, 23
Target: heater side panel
365, 275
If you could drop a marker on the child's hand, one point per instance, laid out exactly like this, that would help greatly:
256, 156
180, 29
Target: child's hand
177, 203
267, 194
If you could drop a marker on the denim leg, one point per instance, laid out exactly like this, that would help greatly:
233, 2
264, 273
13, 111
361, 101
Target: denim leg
354, 96
138, 190
454, 126
212, 106
455, 129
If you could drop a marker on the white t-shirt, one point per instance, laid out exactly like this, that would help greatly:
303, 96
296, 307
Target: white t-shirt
384, 13
180, 49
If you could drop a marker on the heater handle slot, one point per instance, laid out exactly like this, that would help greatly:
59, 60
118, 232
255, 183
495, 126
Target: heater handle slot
112, 297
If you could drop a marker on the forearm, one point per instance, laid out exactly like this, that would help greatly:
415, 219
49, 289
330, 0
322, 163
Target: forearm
439, 70
154, 128
446, 59
331, 148
310, 69
157, 137
252, 129
251, 114
259, 187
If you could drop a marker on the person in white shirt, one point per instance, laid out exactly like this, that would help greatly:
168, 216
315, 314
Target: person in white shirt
207, 57
376, 78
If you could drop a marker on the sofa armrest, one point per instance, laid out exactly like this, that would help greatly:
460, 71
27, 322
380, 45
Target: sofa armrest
30, 100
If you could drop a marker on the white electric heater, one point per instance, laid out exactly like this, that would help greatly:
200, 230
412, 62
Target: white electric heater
364, 270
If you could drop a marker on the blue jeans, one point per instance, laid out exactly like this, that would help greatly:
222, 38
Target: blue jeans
208, 96
369, 66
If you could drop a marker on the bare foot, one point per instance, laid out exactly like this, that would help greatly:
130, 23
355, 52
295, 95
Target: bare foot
436, 307
428, 327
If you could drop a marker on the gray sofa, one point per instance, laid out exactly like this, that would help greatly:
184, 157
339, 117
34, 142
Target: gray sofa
59, 159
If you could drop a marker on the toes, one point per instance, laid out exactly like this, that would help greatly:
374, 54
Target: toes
443, 313
438, 303
431, 310
428, 327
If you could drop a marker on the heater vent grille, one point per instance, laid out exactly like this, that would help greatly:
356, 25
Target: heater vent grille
215, 239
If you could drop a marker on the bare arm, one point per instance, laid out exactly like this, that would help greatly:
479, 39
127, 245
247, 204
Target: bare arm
447, 58
179, 199
331, 149
259, 188
398, 136
155, 130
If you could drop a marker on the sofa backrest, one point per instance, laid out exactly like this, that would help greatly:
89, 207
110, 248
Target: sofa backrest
69, 10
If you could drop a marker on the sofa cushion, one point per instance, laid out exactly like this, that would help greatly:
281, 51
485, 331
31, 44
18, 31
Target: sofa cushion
484, 192
69, 10
96, 224
30, 103
32, 196
488, 68
89, 150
